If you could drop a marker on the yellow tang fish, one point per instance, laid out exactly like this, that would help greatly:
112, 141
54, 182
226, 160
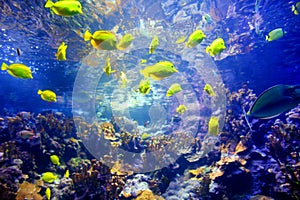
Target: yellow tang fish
102, 40
17, 70
49, 177
65, 8
107, 67
216, 47
275, 34
125, 41
181, 109
145, 136
144, 86
48, 193
180, 39
154, 43
124, 79
209, 90
61, 52
159, 70
213, 125
142, 61
47, 95
174, 88
55, 160
67, 174
296, 8
195, 38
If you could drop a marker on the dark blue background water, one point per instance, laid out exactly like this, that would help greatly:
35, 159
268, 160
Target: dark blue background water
29, 26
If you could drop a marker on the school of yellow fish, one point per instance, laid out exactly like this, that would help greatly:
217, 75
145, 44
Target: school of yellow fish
107, 40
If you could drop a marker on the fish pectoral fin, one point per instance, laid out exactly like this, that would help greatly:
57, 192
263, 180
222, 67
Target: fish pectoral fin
155, 77
9, 72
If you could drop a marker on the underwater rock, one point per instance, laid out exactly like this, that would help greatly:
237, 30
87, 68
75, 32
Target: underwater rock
135, 186
148, 195
9, 180
182, 190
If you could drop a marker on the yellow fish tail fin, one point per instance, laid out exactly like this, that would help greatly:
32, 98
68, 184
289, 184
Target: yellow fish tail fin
207, 50
267, 38
145, 74
49, 4
186, 44
87, 35
112, 71
40, 92
4, 66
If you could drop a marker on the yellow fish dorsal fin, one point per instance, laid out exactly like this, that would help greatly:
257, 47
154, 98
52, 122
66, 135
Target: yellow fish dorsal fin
49, 4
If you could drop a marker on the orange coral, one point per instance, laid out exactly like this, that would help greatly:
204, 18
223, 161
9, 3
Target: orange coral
120, 169
215, 173
240, 147
28, 191
148, 195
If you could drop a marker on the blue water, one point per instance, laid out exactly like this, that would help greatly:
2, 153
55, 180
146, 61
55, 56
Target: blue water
28, 26
248, 58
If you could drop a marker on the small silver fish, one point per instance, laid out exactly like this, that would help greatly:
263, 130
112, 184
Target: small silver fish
26, 134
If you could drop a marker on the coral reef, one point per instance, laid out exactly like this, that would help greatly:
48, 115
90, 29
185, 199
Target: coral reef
9, 180
241, 162
28, 191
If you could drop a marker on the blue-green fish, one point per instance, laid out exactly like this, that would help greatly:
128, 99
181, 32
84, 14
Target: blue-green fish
207, 18
274, 101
